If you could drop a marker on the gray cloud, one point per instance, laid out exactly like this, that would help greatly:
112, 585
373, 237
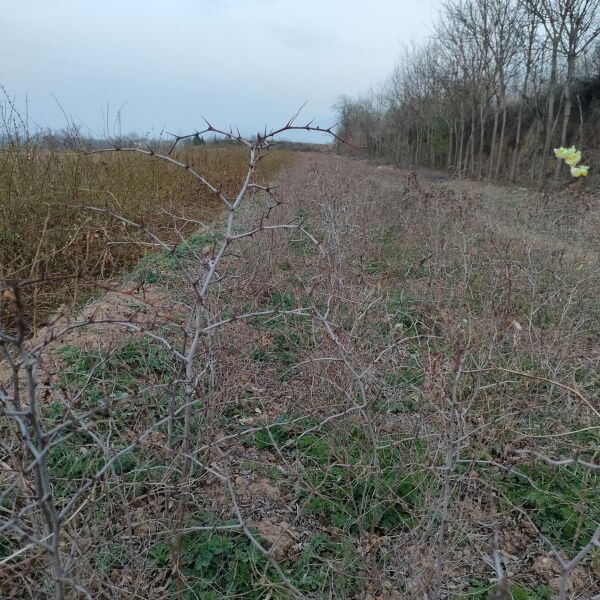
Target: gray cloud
249, 63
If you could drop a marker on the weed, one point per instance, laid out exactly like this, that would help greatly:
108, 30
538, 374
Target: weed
290, 335
126, 371
114, 557
72, 461
282, 300
325, 564
302, 246
374, 267
109, 384
286, 265
282, 430
154, 268
5, 547
407, 377
76, 458
399, 310
259, 355
217, 564
198, 242
340, 482
562, 501
264, 469
136, 306
359, 488
482, 590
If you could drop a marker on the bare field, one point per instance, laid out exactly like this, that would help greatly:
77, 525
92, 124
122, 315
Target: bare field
367, 384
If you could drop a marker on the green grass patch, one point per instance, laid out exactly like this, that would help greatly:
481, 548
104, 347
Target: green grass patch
401, 311
374, 267
224, 564
562, 502
76, 458
328, 567
290, 335
154, 268
483, 590
117, 387
198, 242
217, 564
355, 487
285, 265
126, 371
348, 483
264, 469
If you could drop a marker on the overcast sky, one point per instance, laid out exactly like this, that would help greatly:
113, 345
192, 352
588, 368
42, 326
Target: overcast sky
244, 63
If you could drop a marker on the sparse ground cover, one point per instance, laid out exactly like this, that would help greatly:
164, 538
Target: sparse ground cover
388, 430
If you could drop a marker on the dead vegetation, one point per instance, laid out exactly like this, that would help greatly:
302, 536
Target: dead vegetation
60, 249
360, 385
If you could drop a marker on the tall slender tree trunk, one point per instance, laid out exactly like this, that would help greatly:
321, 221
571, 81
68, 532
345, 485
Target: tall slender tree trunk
567, 110
517, 148
515, 157
580, 136
431, 147
493, 143
538, 134
457, 157
473, 128
481, 138
459, 167
501, 143
550, 115
451, 125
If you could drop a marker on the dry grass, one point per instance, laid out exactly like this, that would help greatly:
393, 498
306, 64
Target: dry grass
46, 234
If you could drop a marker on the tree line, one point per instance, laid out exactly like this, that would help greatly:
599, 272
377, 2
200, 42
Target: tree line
490, 93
